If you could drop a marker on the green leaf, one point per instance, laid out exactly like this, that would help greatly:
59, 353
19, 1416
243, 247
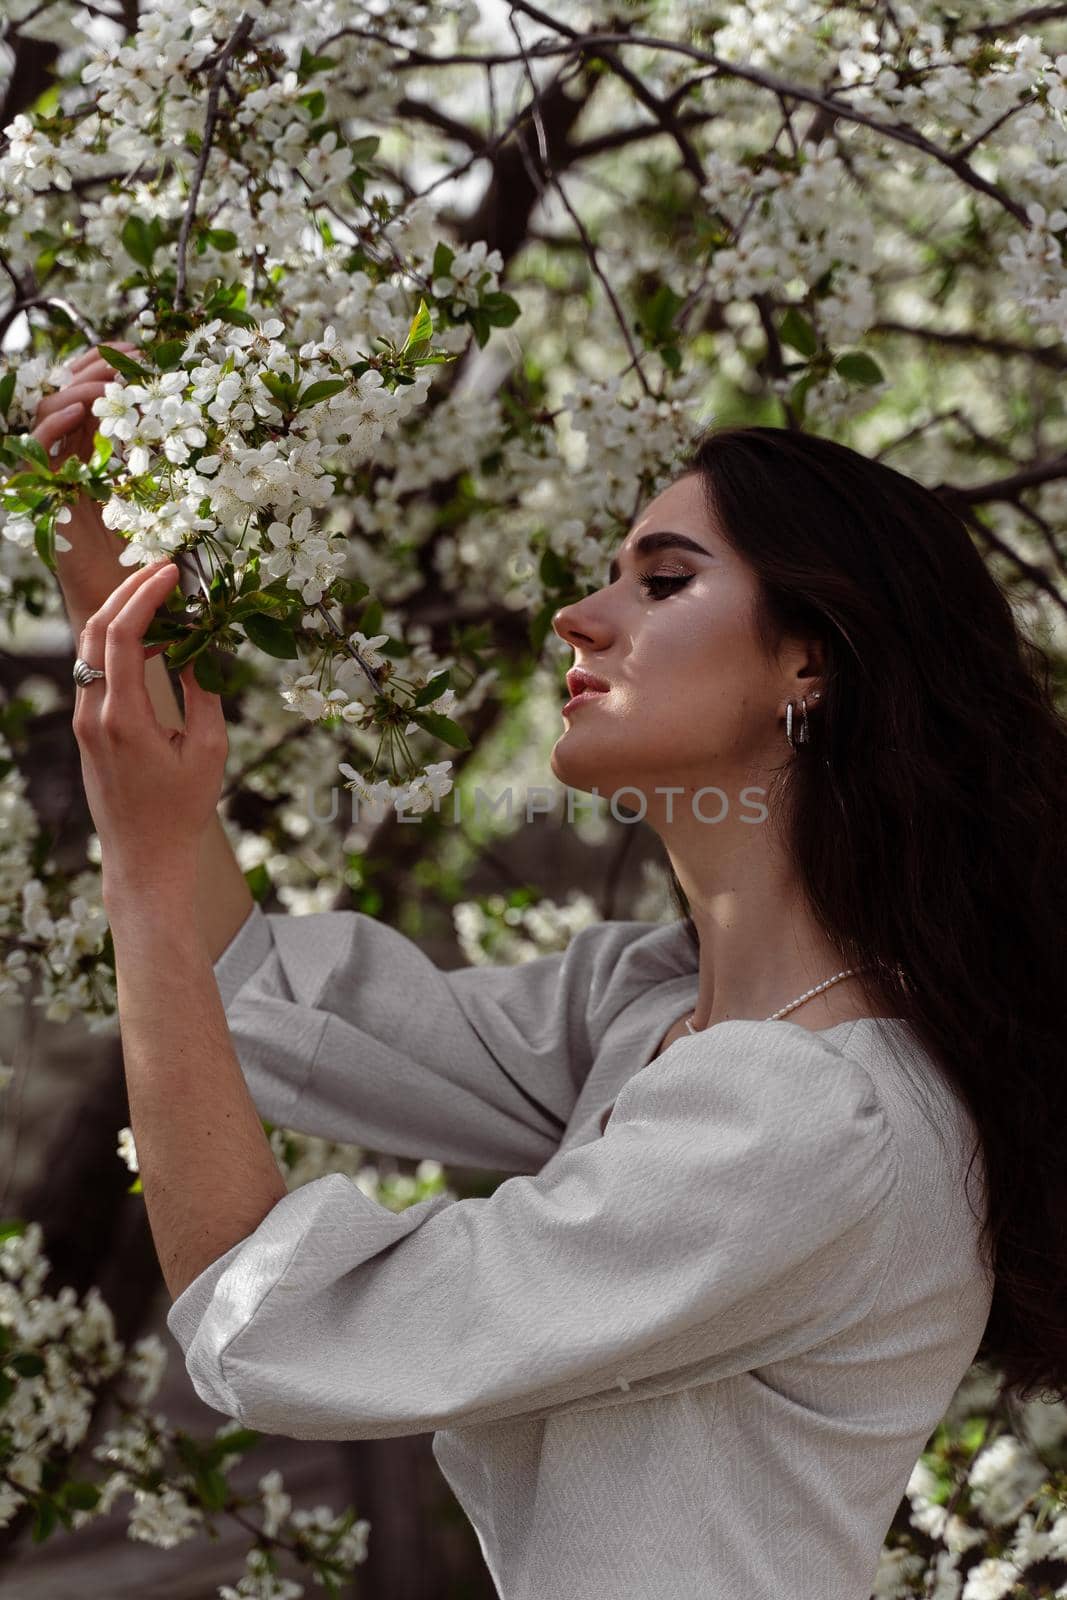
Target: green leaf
234, 1443
208, 673
442, 728
46, 1519
7, 1388
272, 605
187, 649
658, 312
502, 310
44, 537
140, 240
167, 355
320, 391
859, 367
798, 332
553, 571
431, 690
249, 575
799, 393
165, 630
121, 363
221, 238
7, 389
12, 1228
28, 1364
284, 390
370, 623
32, 449
538, 626
310, 64
349, 590
213, 1488
421, 330
240, 319
364, 149
258, 880
102, 449
443, 258
266, 633
479, 321
80, 1495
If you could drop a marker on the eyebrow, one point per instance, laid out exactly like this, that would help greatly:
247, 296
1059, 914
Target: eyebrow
664, 539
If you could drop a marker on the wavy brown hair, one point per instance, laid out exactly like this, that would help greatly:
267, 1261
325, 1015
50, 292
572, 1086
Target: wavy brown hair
925, 818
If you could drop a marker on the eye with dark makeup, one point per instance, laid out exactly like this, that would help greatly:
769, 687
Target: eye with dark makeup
658, 585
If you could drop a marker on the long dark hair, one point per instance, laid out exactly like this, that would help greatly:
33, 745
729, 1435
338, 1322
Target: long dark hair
925, 819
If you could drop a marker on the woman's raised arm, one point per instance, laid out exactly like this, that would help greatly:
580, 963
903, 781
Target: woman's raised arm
87, 573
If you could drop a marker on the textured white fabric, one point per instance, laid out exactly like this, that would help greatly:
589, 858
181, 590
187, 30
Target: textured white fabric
694, 1356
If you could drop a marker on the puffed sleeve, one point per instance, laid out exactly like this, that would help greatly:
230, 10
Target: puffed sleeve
741, 1205
344, 1028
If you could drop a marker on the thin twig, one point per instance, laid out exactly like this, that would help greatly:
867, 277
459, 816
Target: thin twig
350, 649
1022, 19
220, 65
590, 248
795, 91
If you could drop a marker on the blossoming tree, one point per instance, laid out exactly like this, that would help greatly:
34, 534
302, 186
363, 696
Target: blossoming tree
402, 313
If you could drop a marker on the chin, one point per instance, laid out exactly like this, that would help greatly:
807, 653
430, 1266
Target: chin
576, 763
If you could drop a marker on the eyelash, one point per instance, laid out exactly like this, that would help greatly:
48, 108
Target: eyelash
650, 581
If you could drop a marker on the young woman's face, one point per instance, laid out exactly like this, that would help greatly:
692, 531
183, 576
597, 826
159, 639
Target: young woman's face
692, 700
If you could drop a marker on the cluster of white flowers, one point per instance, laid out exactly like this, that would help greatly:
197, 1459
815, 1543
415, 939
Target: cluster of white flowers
467, 274
1013, 1518
57, 948
492, 930
257, 419
66, 1352
69, 1351
217, 397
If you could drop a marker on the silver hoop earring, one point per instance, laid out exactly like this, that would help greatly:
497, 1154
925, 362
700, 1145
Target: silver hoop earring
804, 736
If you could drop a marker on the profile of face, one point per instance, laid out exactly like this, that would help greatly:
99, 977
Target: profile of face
693, 700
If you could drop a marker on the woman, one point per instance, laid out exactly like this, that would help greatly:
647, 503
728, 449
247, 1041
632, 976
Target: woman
695, 1345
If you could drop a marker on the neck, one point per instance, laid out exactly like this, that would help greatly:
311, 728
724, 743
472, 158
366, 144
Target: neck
761, 948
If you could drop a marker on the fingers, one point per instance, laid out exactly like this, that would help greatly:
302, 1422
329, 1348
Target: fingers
112, 639
124, 641
76, 393
52, 429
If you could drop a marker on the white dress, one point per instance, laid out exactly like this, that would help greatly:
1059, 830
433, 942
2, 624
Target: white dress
694, 1357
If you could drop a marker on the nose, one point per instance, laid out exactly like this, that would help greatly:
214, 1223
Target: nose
576, 626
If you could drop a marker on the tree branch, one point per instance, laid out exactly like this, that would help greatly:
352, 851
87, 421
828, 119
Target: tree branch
1047, 356
780, 86
220, 66
590, 248
1022, 20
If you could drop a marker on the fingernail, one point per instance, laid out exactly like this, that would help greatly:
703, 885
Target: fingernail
68, 411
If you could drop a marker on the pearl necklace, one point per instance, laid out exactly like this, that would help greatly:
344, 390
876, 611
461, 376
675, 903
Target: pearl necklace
818, 989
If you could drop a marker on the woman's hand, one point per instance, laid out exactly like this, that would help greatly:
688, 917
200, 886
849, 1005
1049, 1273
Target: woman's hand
65, 425
152, 790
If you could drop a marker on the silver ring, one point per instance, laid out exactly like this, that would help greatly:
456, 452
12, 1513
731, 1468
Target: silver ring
84, 673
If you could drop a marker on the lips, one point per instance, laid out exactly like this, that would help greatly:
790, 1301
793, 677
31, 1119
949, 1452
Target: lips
581, 682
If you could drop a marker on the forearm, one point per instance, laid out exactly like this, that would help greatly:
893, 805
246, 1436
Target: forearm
207, 1170
223, 898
